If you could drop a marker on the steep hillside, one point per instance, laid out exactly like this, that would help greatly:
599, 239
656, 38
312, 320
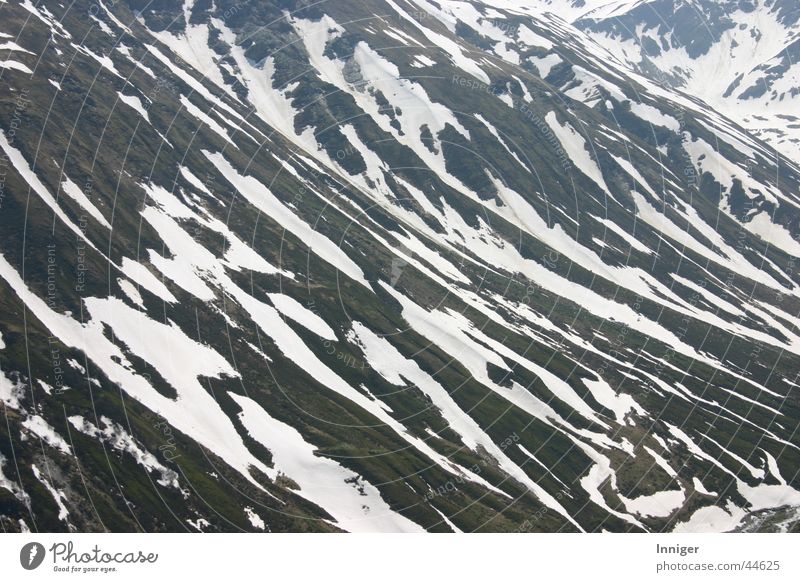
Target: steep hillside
382, 265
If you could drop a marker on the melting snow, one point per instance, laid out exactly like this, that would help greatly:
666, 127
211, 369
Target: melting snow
40, 427
354, 503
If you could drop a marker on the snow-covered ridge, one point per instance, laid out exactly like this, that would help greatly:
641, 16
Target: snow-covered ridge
395, 273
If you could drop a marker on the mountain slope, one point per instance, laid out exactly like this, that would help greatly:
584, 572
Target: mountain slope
381, 266
739, 57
